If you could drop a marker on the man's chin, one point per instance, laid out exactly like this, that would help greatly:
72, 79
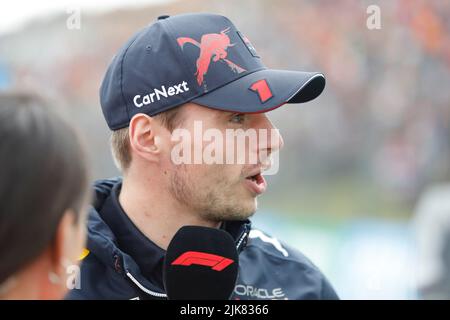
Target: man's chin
237, 213
247, 209
237, 217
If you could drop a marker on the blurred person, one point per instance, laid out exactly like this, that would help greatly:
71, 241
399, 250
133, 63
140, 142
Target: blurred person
432, 230
43, 199
174, 74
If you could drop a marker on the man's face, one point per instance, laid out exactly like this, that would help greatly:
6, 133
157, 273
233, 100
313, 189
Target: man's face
222, 177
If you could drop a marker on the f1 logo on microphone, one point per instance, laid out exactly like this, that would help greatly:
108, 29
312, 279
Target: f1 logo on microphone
216, 262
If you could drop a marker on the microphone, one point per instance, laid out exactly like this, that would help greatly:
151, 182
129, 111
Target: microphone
200, 264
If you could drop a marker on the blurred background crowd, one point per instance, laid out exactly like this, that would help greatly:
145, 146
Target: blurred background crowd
361, 188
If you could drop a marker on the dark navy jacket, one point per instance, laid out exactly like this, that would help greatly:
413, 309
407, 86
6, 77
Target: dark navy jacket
268, 269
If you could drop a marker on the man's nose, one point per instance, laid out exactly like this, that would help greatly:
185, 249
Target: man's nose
274, 139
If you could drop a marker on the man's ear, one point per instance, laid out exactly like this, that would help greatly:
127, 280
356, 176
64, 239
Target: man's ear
144, 140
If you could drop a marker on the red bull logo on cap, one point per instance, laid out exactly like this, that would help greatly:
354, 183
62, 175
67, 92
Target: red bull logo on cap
213, 47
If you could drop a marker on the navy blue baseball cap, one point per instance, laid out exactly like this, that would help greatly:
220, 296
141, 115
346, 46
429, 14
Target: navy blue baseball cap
200, 58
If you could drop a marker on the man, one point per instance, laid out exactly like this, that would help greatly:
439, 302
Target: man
176, 75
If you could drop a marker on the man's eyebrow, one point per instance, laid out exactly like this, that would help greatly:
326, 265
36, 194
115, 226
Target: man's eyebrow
224, 114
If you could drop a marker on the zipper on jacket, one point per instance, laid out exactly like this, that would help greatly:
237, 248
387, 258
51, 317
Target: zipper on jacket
242, 239
147, 291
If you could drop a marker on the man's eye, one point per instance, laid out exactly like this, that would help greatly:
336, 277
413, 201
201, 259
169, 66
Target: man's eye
237, 118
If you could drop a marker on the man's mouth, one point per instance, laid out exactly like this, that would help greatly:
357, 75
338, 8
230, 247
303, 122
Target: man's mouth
256, 182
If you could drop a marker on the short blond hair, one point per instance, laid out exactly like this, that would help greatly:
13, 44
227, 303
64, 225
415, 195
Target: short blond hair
120, 139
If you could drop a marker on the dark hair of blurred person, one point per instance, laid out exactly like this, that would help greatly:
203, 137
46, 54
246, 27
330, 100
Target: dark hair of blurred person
43, 197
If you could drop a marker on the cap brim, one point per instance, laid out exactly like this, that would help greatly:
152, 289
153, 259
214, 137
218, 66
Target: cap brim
284, 86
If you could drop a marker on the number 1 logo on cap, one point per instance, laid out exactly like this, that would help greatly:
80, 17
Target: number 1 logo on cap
261, 87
